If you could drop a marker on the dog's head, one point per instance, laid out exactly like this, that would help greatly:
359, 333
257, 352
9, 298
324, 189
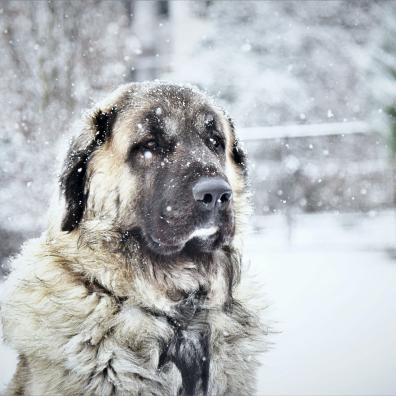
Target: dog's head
160, 161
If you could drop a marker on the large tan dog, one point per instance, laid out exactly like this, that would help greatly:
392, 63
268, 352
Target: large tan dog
135, 289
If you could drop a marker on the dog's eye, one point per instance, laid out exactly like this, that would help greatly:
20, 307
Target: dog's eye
216, 143
147, 149
150, 145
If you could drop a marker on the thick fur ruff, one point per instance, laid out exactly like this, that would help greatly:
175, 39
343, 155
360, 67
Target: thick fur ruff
92, 310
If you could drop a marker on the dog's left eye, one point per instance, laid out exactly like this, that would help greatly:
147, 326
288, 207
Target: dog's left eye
216, 143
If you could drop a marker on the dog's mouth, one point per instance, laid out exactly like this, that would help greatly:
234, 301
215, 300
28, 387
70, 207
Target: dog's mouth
160, 247
201, 239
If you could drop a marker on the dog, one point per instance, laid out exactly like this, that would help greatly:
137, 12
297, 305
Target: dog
134, 288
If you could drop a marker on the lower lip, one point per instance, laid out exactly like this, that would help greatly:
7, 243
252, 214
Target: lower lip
167, 249
203, 234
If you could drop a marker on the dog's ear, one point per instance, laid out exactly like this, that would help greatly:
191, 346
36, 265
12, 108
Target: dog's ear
74, 173
238, 153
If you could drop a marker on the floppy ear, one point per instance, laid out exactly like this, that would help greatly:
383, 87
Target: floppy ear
238, 154
73, 176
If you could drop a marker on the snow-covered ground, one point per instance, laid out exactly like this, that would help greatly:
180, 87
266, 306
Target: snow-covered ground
332, 296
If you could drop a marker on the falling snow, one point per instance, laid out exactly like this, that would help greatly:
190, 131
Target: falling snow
309, 90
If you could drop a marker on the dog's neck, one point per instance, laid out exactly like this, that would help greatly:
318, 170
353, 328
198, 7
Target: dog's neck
110, 264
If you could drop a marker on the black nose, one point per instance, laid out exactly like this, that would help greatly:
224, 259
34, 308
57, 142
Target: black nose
211, 192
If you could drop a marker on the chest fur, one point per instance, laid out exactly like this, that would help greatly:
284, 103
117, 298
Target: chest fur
121, 341
77, 335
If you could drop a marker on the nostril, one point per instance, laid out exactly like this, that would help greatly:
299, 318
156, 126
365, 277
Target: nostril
225, 198
207, 198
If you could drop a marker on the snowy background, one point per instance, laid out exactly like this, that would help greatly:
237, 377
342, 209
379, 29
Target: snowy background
312, 88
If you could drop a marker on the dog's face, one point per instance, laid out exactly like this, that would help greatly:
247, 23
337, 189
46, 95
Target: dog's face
159, 161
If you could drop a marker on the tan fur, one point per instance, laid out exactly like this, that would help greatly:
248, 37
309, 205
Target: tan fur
87, 317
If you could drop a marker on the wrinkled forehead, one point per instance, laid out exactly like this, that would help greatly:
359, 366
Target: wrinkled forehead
170, 111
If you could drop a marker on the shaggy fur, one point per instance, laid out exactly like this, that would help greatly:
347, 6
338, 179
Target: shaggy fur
114, 298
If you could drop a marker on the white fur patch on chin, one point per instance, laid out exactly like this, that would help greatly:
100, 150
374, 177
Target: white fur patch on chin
204, 232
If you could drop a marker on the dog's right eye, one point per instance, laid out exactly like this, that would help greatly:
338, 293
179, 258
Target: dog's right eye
150, 145
145, 149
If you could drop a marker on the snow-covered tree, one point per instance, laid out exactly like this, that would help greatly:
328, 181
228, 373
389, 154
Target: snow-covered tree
275, 62
56, 56
269, 62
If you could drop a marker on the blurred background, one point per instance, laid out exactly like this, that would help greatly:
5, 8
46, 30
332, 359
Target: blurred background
311, 86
